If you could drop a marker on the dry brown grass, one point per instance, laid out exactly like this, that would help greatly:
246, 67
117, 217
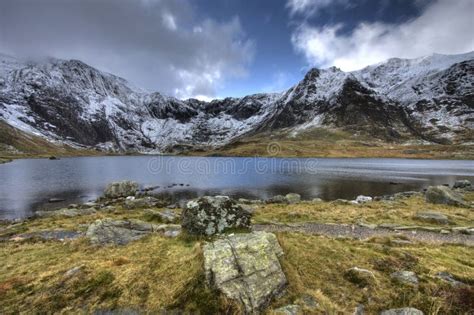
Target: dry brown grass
315, 265
398, 212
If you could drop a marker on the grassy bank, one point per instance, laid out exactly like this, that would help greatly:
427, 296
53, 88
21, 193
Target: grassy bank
401, 211
157, 273
325, 143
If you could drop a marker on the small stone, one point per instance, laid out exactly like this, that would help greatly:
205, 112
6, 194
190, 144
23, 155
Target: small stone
144, 202
293, 198
406, 277
277, 199
72, 272
432, 217
316, 200
402, 311
363, 199
360, 277
446, 276
292, 309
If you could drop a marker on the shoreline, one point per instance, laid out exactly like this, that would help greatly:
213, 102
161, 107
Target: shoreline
53, 257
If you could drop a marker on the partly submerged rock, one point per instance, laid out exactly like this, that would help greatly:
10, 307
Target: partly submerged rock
462, 184
402, 311
245, 268
212, 215
444, 195
121, 189
405, 277
122, 232
363, 199
432, 217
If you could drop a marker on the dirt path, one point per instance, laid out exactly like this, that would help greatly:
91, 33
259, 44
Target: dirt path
360, 232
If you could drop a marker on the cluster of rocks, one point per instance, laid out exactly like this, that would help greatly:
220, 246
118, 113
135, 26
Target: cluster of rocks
122, 232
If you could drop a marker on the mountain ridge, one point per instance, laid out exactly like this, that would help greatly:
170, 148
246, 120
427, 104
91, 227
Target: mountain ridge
429, 98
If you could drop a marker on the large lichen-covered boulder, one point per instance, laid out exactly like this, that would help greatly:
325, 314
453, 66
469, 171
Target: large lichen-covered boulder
444, 195
121, 189
212, 215
245, 268
122, 232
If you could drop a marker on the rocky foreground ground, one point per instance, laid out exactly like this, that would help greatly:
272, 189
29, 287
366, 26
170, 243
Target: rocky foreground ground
130, 252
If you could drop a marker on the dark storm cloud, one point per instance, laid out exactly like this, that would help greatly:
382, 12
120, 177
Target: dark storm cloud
161, 45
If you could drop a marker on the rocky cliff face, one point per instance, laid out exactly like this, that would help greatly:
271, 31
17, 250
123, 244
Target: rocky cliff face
430, 98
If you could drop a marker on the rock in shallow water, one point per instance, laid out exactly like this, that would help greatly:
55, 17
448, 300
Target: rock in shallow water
121, 189
212, 215
444, 195
245, 267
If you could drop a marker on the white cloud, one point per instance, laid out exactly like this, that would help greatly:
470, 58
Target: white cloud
310, 7
164, 46
443, 27
168, 21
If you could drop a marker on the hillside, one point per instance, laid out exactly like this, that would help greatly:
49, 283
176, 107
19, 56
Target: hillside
428, 100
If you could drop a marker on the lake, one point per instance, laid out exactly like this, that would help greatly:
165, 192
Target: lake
27, 185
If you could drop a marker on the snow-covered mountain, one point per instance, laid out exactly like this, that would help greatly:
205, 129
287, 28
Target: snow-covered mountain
429, 98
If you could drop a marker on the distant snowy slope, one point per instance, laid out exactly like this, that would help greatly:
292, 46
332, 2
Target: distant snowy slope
429, 98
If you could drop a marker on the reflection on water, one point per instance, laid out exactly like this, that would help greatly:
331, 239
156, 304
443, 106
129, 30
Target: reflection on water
27, 185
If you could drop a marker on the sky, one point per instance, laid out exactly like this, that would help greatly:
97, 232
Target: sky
218, 48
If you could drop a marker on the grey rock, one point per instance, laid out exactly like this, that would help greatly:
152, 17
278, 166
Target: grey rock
402, 311
291, 309
444, 195
292, 198
461, 184
245, 267
212, 215
277, 199
360, 277
463, 230
359, 310
74, 212
406, 277
118, 232
134, 203
58, 235
53, 200
446, 276
166, 216
73, 272
363, 199
316, 200
341, 202
432, 217
121, 189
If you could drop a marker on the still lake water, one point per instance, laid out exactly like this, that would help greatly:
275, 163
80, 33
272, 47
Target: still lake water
27, 185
